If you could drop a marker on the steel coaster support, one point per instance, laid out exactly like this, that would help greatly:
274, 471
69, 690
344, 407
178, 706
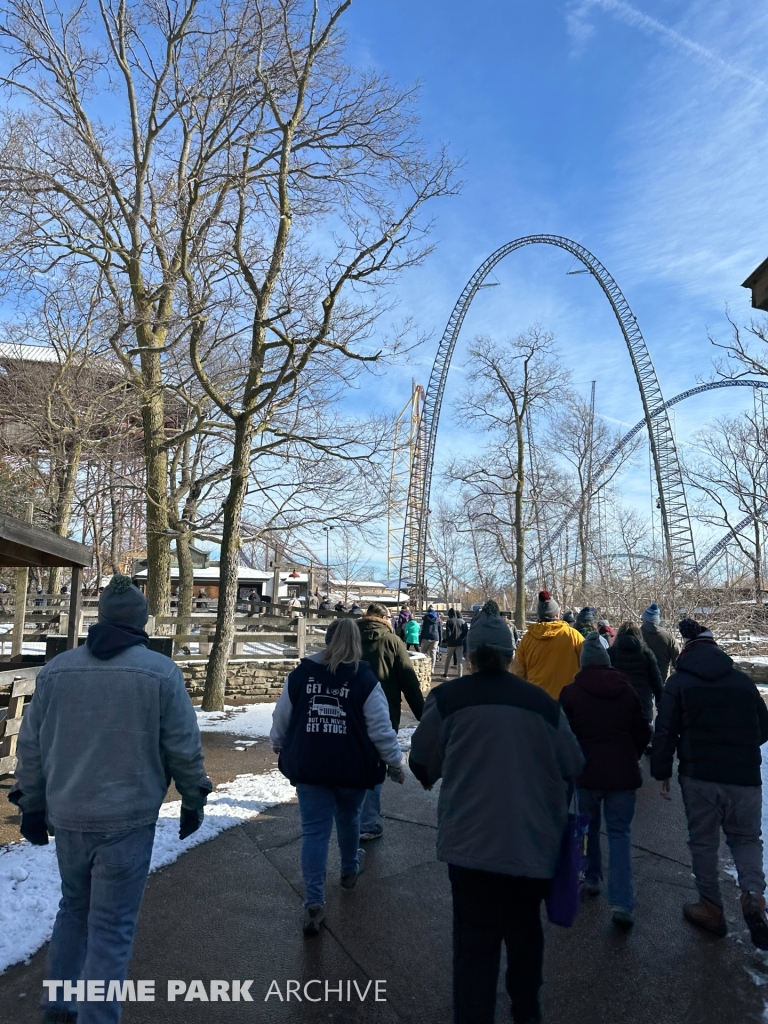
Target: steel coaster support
728, 382
676, 522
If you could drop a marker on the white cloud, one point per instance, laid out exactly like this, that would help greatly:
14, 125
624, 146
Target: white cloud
581, 29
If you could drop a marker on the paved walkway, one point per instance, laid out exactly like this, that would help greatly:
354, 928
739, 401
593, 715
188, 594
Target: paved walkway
231, 909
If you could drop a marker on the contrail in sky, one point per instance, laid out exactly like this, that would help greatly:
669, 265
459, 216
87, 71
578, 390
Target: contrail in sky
652, 26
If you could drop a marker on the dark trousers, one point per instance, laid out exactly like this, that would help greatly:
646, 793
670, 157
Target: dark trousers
488, 909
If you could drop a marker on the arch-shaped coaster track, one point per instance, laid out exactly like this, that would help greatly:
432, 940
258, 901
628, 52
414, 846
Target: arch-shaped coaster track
674, 508
728, 382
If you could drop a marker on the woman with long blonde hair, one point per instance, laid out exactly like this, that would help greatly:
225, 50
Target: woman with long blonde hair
332, 730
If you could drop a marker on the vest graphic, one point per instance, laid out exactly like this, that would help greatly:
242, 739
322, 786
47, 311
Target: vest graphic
324, 712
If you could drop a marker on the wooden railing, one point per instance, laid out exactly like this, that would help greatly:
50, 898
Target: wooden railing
297, 634
17, 686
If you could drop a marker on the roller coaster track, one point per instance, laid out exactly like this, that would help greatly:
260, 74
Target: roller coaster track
721, 545
669, 481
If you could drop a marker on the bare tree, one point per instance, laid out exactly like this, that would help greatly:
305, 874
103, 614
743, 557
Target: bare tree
447, 550
581, 438
298, 312
509, 385
66, 398
732, 472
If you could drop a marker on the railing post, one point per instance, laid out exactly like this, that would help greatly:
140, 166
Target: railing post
75, 618
20, 597
301, 636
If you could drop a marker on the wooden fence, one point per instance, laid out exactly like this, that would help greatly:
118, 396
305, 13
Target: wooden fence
15, 688
294, 636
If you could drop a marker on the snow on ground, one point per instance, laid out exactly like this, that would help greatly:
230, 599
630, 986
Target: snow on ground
251, 720
256, 720
404, 738
29, 875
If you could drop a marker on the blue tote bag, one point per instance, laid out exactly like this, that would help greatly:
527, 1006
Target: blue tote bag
567, 890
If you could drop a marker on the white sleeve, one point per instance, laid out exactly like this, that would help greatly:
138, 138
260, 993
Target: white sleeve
281, 719
379, 726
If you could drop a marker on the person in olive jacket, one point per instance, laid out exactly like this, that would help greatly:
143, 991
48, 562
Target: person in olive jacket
637, 661
390, 662
660, 641
607, 718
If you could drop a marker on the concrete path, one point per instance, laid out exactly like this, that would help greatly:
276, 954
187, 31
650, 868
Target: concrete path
231, 909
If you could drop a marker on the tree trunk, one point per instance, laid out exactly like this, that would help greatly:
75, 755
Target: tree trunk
216, 677
186, 584
158, 540
115, 506
64, 502
520, 532
758, 563
583, 548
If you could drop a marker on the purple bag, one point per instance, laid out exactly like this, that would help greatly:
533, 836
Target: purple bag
567, 890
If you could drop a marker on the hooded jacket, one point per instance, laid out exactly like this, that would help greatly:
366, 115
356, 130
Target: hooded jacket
402, 618
388, 657
455, 632
505, 752
431, 628
548, 655
663, 646
638, 663
713, 716
102, 739
411, 632
608, 720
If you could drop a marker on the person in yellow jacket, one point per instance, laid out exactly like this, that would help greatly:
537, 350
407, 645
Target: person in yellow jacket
548, 654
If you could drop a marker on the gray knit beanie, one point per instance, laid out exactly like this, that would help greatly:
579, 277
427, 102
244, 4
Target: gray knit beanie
488, 629
547, 610
593, 651
123, 604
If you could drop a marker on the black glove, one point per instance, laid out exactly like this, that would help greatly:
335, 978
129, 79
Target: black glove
190, 821
33, 828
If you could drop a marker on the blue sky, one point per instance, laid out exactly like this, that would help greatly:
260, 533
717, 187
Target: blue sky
638, 130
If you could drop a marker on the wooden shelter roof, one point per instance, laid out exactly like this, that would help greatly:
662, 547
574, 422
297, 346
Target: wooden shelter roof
23, 545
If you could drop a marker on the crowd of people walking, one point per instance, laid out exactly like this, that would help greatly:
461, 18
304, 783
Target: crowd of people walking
523, 735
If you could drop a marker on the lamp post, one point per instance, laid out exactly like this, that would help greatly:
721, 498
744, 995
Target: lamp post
327, 561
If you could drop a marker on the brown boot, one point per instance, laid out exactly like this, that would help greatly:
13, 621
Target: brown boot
753, 909
707, 915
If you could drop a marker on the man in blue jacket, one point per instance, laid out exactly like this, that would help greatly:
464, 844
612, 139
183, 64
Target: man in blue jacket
109, 726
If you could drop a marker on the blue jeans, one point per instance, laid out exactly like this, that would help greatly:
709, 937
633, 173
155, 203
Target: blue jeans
371, 812
319, 806
102, 884
619, 809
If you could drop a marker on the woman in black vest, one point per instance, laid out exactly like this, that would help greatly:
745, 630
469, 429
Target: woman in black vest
332, 730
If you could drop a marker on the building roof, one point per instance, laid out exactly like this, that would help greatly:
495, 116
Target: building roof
25, 546
29, 353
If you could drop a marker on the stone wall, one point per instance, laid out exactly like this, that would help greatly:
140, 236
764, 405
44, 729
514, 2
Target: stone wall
246, 677
261, 680
423, 668
756, 670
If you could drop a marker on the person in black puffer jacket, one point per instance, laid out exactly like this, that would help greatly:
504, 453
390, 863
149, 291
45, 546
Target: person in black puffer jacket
713, 716
632, 657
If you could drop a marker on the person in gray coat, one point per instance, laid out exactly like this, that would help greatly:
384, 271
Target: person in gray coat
109, 726
506, 754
